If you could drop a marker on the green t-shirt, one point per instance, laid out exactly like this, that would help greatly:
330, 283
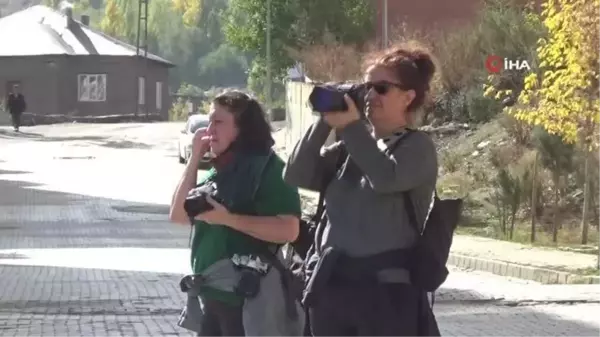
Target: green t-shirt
213, 242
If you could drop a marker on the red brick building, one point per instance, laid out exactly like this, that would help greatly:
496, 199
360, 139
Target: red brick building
425, 14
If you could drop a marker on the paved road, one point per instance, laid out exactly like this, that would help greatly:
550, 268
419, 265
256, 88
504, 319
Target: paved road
86, 249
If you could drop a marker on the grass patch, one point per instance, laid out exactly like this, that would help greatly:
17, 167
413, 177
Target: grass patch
588, 272
479, 223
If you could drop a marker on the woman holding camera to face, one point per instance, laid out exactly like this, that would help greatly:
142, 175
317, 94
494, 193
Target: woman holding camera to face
257, 208
366, 288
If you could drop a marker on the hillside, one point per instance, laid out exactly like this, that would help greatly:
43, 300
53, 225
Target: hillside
472, 159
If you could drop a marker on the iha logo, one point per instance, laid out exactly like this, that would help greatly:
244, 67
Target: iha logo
494, 64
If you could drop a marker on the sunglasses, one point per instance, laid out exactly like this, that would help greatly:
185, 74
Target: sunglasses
382, 87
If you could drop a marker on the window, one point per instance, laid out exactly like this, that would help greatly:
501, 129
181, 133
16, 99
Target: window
158, 95
141, 91
91, 87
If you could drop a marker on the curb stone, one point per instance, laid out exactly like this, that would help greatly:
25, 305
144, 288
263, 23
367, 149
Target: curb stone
510, 269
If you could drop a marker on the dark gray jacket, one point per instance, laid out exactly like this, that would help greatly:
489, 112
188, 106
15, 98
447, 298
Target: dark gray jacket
365, 205
16, 103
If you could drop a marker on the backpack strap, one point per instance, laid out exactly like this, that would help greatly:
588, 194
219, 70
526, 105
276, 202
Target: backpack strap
412, 218
326, 179
321, 207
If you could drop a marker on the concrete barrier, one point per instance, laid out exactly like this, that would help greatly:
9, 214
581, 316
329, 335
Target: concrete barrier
299, 115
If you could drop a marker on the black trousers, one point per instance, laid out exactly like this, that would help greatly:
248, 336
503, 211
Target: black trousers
16, 119
221, 319
372, 310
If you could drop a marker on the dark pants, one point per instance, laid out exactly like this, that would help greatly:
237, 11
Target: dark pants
372, 310
16, 119
221, 319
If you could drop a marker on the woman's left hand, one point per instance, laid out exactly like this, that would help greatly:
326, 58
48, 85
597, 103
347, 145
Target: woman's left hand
340, 119
217, 216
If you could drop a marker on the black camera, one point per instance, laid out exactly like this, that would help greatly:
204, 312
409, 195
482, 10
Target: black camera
251, 269
329, 97
196, 201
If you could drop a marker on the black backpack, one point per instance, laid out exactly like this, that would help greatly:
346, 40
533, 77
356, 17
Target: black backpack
428, 266
428, 263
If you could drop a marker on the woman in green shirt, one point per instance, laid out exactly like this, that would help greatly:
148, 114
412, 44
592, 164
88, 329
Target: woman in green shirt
257, 208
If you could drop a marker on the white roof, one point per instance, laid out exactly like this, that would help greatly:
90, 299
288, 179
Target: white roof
40, 30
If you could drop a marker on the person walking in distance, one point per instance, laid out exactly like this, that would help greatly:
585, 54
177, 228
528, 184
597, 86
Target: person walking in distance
16, 106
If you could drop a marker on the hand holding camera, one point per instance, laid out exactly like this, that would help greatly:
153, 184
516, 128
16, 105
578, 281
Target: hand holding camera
339, 104
203, 204
219, 215
339, 119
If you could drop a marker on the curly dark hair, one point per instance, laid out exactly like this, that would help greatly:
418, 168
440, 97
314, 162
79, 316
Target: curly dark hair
254, 128
413, 64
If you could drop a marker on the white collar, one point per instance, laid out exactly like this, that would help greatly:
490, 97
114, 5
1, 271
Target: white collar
384, 143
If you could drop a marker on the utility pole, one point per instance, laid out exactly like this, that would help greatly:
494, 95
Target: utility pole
142, 46
269, 72
385, 24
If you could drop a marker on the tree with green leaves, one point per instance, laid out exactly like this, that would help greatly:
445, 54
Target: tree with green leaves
557, 156
295, 24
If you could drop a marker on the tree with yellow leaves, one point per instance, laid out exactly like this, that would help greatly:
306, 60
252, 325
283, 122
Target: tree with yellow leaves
113, 22
191, 10
562, 95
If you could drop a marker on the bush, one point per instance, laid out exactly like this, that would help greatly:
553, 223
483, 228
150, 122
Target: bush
451, 161
448, 105
481, 109
467, 105
525, 168
504, 155
178, 111
455, 185
507, 196
517, 130
331, 60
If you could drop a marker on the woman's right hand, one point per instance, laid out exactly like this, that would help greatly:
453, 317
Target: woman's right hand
200, 142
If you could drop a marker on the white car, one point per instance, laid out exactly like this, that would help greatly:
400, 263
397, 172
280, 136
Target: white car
187, 135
